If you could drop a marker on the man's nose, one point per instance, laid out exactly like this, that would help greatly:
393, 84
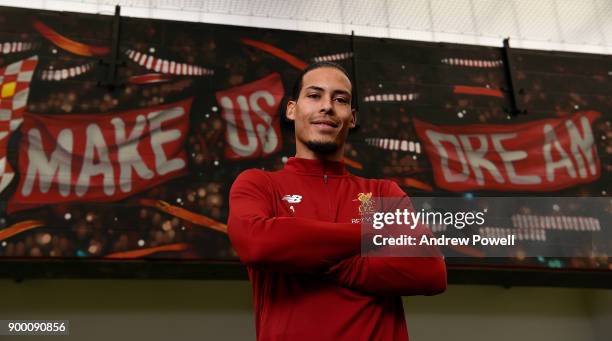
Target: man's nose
326, 106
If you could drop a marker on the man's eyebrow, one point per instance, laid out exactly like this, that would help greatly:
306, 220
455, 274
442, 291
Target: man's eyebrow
314, 87
344, 92
318, 88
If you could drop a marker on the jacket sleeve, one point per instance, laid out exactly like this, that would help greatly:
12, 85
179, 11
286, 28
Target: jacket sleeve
286, 244
391, 275
403, 276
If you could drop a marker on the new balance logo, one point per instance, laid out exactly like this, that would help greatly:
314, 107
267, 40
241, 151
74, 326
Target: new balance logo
293, 199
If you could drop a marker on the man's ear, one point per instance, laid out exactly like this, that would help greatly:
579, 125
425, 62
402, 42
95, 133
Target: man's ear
290, 110
353, 122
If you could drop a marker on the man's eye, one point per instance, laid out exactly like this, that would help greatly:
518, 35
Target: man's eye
341, 99
313, 96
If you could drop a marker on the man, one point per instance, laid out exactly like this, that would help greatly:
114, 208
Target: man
293, 230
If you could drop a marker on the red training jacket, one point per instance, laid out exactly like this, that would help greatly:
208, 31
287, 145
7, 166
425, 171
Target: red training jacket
293, 230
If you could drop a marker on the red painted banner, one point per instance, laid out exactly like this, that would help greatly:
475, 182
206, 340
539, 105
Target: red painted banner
101, 157
542, 155
69, 44
251, 118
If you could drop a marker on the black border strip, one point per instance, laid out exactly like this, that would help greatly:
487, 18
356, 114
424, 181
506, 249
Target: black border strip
21, 270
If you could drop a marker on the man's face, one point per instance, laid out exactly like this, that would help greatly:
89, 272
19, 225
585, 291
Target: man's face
322, 112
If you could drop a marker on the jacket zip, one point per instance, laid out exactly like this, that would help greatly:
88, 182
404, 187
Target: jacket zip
329, 204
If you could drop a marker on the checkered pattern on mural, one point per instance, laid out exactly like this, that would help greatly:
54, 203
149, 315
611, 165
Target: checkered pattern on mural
14, 89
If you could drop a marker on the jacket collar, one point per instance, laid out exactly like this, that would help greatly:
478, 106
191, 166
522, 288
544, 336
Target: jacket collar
315, 167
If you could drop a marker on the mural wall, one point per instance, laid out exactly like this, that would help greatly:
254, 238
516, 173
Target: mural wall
141, 167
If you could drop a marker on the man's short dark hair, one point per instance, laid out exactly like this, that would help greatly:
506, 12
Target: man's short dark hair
297, 87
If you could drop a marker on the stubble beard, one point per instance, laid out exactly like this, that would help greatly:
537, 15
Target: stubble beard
322, 148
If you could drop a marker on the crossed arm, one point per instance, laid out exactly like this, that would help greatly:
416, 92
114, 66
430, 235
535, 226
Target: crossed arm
298, 245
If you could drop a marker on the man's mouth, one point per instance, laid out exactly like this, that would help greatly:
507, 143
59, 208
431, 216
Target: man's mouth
325, 123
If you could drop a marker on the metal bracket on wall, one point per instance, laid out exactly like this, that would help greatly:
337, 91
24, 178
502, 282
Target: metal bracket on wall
513, 92
354, 81
114, 62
